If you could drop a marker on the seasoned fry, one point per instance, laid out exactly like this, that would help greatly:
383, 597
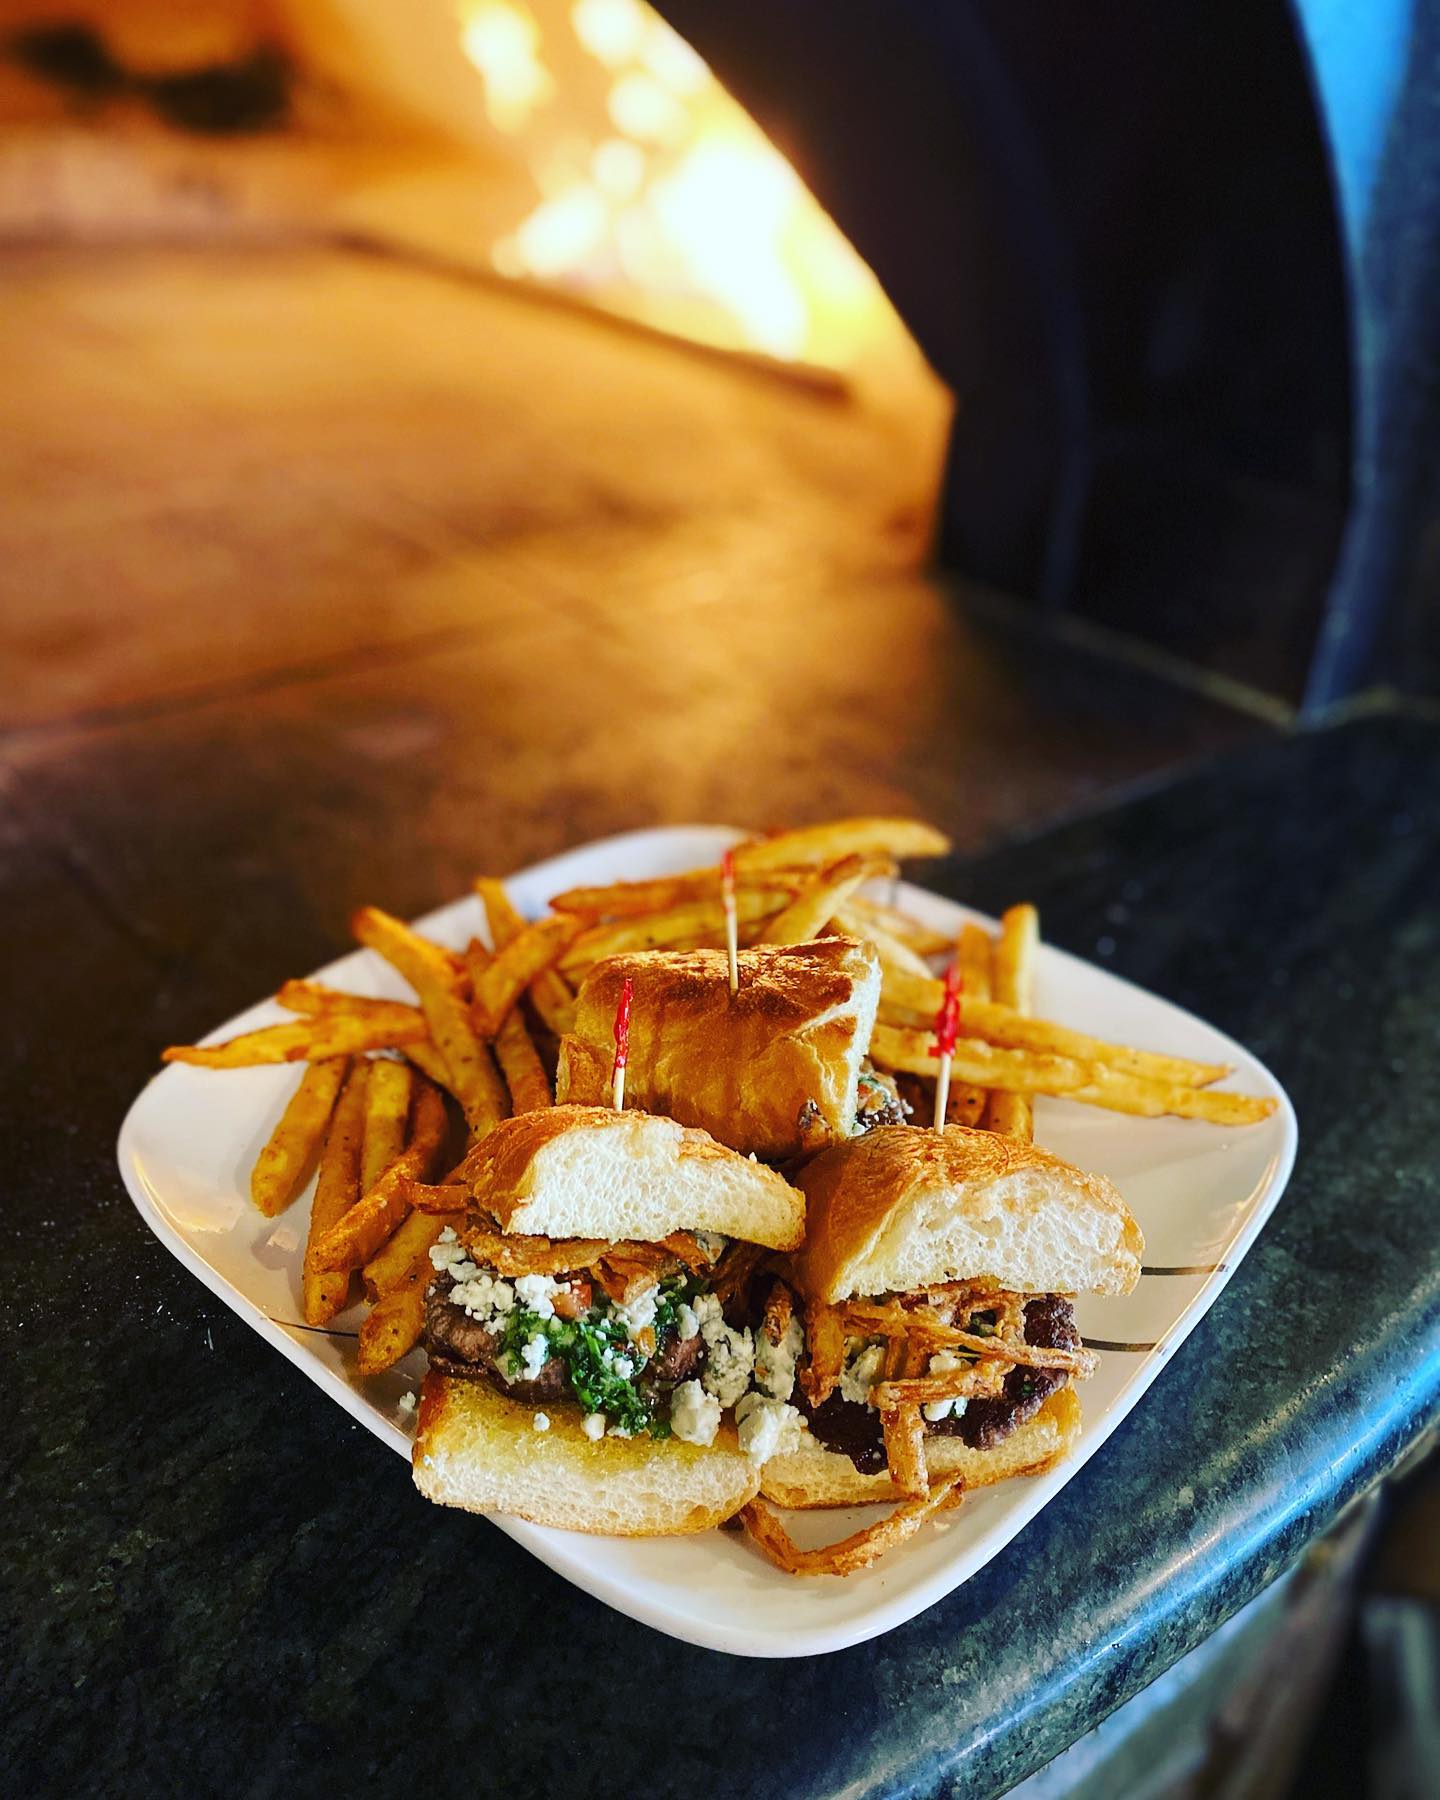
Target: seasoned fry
899, 1047
1094, 1084
894, 838
430, 1063
549, 991
284, 1164
305, 1040
1013, 970
412, 1241
892, 953
631, 899
965, 1103
311, 998
904, 1431
696, 922
393, 1328
436, 976
924, 940
513, 967
905, 998
973, 954
852, 1553
515, 1050
819, 900
387, 1112
1155, 1099
521, 1066
416, 957
356, 1236
325, 1293
1013, 982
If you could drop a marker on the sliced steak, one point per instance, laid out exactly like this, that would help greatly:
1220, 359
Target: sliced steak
1049, 1324
855, 1431
677, 1359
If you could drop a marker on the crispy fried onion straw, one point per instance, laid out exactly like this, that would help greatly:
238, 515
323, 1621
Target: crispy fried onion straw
855, 1552
885, 1321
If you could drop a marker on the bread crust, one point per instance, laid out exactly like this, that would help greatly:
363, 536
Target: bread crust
744, 1066
887, 1211
818, 1477
479, 1451
588, 1171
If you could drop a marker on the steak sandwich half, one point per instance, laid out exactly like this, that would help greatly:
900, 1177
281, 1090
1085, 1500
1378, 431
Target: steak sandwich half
775, 1068
935, 1286
583, 1371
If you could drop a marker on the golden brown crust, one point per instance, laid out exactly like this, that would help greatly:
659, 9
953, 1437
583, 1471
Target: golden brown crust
741, 1066
906, 1182
686, 1180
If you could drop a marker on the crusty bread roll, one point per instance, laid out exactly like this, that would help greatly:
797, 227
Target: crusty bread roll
588, 1171
903, 1207
819, 1477
741, 1066
477, 1450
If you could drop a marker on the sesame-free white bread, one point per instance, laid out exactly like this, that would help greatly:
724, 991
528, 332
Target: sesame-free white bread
903, 1207
819, 1477
588, 1171
744, 1066
477, 1450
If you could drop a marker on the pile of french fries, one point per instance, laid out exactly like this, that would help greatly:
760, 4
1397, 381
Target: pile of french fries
372, 1120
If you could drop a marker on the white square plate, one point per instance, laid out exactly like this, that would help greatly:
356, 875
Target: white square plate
1200, 1192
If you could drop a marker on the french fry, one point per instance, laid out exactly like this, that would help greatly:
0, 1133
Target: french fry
858, 1550
325, 1292
394, 1326
1013, 983
967, 1102
819, 900
354, 1237
414, 956
631, 899
436, 975
1029, 1072
305, 1040
515, 965
284, 1164
316, 1001
924, 940
903, 1000
515, 1050
410, 1242
683, 927
549, 991
428, 1060
973, 954
892, 953
1013, 969
387, 1112
521, 1066
894, 838
904, 1431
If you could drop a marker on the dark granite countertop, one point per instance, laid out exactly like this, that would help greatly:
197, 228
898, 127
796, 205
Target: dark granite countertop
215, 1581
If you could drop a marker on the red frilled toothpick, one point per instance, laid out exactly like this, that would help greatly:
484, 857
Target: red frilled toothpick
622, 1046
732, 923
947, 1029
